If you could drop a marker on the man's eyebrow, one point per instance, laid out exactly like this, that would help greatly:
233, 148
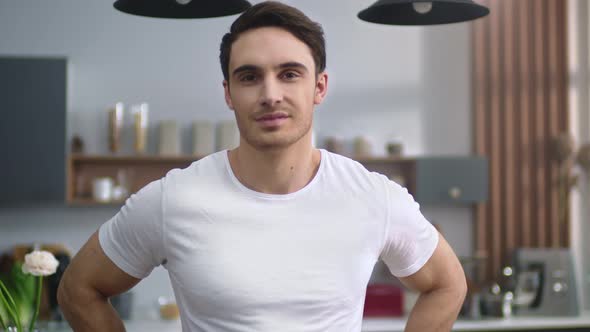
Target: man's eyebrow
290, 64
245, 68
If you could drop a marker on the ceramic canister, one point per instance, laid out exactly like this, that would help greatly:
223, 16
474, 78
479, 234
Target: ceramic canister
203, 138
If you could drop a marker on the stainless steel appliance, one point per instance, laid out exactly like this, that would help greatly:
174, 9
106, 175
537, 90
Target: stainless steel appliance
545, 284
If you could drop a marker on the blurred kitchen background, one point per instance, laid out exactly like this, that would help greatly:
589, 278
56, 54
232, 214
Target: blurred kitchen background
413, 86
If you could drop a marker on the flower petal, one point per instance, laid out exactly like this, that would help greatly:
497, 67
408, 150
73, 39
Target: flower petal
40, 263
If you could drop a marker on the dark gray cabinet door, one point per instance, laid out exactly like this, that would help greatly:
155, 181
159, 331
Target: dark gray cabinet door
451, 180
32, 129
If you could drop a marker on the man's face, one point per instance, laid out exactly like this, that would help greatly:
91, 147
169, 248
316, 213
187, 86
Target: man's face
273, 88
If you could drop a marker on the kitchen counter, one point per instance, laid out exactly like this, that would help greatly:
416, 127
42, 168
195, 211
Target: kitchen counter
579, 323
489, 324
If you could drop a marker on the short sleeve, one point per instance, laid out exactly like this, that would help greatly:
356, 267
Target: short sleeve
133, 238
410, 239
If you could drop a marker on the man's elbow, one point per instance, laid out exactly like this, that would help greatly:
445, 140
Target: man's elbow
71, 294
457, 286
64, 293
453, 287
461, 288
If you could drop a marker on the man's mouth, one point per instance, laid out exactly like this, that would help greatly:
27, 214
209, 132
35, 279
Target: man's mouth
274, 119
272, 116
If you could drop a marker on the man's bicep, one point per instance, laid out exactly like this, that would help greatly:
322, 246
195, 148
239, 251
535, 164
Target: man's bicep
442, 270
91, 268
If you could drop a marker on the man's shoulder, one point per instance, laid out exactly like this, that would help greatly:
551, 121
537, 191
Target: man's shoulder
203, 168
341, 161
349, 170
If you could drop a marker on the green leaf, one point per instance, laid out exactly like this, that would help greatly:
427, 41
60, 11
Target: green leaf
24, 303
10, 306
25, 282
2, 313
21, 287
37, 302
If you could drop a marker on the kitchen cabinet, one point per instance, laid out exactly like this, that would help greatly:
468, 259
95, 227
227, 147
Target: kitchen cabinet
492, 324
440, 180
447, 180
451, 180
32, 129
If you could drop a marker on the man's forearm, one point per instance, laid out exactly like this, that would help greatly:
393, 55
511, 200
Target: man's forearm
90, 313
435, 311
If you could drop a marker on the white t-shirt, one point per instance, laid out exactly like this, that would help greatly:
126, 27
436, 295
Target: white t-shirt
240, 260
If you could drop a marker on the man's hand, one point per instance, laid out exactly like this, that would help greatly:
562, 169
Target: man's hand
442, 286
88, 282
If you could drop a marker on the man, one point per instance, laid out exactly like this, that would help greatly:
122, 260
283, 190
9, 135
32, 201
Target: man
273, 235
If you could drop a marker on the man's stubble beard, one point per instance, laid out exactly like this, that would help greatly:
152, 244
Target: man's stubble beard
279, 139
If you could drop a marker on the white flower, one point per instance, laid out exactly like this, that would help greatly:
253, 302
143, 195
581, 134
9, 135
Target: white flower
40, 263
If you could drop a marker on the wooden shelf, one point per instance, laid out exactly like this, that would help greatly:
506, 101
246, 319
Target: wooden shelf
384, 160
133, 158
93, 202
190, 158
140, 170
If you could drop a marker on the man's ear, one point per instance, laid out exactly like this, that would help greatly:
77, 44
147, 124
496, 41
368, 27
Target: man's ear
227, 95
321, 88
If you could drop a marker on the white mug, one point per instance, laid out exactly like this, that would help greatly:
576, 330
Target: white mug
102, 188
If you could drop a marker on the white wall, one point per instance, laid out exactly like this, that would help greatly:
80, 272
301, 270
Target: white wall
579, 94
385, 82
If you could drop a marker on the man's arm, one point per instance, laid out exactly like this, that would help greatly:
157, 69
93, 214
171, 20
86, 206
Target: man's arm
442, 286
88, 282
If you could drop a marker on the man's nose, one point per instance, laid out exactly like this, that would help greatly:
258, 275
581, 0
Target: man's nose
271, 93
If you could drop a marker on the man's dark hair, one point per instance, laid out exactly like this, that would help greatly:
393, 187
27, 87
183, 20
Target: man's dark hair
276, 14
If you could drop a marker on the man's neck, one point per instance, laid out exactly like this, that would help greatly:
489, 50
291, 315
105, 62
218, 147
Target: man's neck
278, 172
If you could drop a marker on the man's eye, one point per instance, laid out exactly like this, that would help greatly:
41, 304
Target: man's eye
248, 78
290, 75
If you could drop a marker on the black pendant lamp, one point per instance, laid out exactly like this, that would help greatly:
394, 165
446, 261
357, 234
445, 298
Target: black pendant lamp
182, 8
412, 12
